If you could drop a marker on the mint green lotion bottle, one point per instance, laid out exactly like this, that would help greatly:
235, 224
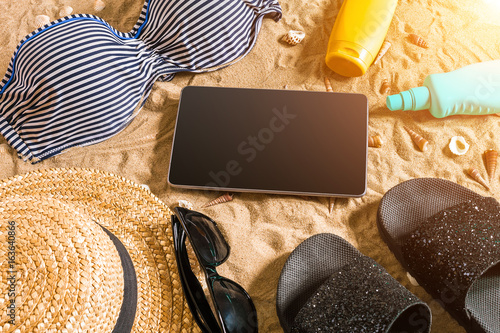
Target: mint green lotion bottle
471, 90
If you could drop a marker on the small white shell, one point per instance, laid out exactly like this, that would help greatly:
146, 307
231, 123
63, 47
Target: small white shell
412, 279
99, 5
458, 146
41, 20
144, 186
186, 204
294, 37
65, 11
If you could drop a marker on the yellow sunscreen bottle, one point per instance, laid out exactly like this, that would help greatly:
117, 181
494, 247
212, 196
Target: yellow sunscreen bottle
358, 34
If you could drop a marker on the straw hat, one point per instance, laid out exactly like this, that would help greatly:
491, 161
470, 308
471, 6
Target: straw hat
66, 236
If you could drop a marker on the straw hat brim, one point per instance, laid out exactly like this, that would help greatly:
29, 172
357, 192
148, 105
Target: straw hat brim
89, 203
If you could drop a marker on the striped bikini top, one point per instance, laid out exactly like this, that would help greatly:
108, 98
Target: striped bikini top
78, 81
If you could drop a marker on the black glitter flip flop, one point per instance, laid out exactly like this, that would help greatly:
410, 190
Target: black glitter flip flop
448, 238
327, 285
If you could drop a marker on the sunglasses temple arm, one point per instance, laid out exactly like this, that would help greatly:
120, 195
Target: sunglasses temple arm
193, 290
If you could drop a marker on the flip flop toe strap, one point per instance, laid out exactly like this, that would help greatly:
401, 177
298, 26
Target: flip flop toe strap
362, 297
450, 250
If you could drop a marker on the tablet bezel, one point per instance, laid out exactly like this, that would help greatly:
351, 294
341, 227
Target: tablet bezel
263, 190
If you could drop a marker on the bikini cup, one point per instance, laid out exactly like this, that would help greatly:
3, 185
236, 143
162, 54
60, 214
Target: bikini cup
78, 81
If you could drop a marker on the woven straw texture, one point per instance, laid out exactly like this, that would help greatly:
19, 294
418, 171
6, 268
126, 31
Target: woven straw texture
69, 276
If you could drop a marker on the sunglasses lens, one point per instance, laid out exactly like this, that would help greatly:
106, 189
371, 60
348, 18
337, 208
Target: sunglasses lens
206, 239
235, 306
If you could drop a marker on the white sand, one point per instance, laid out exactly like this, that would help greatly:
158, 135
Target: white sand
263, 229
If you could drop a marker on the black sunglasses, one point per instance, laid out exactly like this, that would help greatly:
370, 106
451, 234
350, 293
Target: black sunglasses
234, 309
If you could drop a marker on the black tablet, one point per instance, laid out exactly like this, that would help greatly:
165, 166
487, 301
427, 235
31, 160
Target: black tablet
273, 141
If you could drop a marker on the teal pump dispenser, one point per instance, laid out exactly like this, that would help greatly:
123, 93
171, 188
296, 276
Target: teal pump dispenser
471, 90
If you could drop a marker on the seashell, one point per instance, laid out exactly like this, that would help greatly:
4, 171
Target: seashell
458, 146
99, 5
386, 87
186, 204
496, 114
474, 173
383, 50
331, 204
418, 139
375, 141
4, 148
41, 20
419, 41
223, 198
412, 279
491, 157
328, 84
294, 37
65, 11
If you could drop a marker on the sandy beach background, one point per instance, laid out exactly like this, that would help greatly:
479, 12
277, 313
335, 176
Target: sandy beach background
263, 229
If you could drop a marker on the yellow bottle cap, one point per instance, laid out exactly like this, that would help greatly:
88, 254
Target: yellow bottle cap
347, 58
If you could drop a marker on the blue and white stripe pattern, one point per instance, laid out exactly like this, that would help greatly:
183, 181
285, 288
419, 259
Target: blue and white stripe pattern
78, 81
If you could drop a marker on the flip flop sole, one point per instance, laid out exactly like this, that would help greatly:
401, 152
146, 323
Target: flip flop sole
305, 270
327, 285
403, 208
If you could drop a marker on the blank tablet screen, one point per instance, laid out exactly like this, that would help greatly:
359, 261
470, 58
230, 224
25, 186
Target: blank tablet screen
275, 141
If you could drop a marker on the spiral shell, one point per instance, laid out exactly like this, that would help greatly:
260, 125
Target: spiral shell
223, 198
419, 41
418, 139
331, 204
99, 5
65, 11
375, 141
458, 145
383, 50
474, 173
328, 84
294, 37
491, 157
41, 20
385, 88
